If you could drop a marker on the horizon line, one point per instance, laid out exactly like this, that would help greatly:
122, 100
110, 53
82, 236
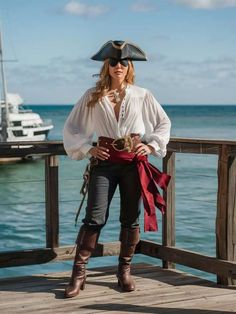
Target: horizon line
163, 104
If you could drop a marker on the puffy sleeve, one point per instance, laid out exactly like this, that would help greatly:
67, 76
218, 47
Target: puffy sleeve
78, 130
157, 125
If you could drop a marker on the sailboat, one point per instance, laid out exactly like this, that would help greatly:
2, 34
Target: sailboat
17, 123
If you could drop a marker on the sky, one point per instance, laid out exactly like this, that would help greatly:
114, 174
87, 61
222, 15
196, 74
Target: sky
190, 45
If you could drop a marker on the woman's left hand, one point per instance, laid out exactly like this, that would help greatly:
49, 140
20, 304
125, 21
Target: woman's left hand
143, 149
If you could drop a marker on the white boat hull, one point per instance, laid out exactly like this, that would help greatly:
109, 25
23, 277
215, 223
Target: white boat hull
25, 125
29, 136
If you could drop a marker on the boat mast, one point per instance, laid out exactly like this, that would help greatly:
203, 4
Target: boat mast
4, 103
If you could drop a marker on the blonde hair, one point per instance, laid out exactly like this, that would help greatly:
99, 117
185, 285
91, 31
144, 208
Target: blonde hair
103, 84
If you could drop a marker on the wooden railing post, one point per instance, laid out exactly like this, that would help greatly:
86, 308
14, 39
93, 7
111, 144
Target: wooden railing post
226, 211
232, 214
168, 221
51, 198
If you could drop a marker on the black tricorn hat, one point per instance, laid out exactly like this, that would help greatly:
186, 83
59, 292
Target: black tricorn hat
119, 49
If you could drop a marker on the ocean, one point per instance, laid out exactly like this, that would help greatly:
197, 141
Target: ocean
22, 207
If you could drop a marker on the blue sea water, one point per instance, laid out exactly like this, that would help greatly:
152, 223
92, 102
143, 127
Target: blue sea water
22, 203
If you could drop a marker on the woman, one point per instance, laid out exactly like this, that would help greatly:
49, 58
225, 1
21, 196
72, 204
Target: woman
130, 125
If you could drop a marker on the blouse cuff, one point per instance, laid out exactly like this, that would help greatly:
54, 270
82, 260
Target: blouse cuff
157, 150
85, 149
154, 145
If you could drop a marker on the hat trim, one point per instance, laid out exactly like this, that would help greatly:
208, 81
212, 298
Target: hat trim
119, 47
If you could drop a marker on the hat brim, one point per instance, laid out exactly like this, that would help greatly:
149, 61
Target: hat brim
126, 51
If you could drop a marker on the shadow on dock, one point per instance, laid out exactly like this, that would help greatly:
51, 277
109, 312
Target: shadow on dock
157, 291
147, 309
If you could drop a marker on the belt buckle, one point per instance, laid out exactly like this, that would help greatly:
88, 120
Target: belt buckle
124, 143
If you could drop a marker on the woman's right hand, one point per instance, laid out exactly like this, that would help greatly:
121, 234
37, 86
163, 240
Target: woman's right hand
99, 152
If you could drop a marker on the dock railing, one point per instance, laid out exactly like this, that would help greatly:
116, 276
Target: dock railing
223, 264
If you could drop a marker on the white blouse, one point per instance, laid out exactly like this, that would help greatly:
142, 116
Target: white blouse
139, 113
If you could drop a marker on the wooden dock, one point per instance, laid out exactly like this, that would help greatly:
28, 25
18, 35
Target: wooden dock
158, 291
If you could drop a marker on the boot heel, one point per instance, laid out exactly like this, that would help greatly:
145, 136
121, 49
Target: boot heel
83, 285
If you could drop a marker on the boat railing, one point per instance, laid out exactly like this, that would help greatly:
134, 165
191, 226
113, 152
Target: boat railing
23, 110
46, 122
223, 264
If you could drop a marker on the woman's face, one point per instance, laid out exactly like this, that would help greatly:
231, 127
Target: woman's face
118, 72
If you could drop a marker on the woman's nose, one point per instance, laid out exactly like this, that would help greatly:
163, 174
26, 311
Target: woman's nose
118, 65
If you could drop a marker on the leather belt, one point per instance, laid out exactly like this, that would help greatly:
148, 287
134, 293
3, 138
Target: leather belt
126, 143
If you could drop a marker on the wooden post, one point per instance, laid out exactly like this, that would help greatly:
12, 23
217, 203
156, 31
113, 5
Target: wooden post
231, 230
51, 198
226, 211
168, 221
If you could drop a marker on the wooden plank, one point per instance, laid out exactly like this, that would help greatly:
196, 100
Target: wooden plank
231, 217
107, 299
23, 149
222, 248
102, 249
172, 140
202, 140
213, 303
39, 256
52, 201
221, 218
156, 292
168, 220
188, 258
181, 145
26, 257
193, 147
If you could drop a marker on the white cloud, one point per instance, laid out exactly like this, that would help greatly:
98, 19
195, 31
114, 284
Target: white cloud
79, 8
218, 72
173, 80
60, 80
142, 6
63, 79
207, 4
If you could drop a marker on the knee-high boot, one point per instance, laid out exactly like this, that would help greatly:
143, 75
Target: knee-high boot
86, 243
129, 238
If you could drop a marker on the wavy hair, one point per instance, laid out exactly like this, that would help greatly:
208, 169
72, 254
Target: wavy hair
104, 82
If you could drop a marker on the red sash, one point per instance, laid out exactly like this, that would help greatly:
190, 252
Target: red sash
150, 178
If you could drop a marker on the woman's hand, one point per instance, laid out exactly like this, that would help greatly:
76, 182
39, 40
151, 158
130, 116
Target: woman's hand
143, 149
99, 152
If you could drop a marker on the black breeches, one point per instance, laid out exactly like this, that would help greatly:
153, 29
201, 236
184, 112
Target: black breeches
104, 179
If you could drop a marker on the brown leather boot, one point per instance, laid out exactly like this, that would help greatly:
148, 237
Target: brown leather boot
129, 238
86, 243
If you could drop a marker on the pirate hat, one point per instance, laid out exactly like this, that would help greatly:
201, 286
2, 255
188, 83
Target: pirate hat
118, 50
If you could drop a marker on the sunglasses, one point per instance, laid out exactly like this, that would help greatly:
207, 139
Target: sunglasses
114, 62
